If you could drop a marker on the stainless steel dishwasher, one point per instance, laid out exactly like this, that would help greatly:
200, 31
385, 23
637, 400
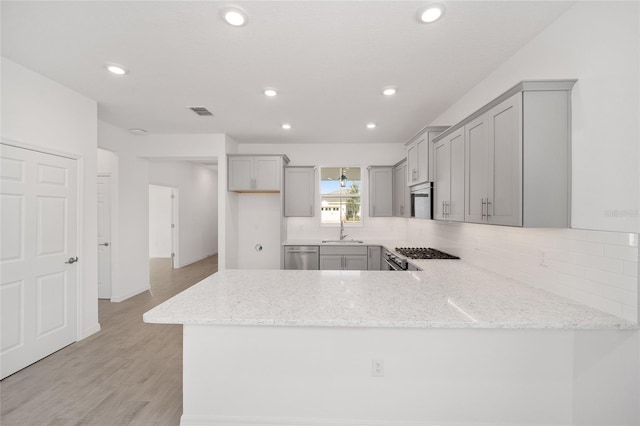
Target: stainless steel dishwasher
302, 257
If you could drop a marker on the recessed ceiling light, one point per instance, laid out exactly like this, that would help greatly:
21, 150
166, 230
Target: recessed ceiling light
371, 125
286, 126
270, 92
389, 91
431, 13
138, 132
235, 17
116, 69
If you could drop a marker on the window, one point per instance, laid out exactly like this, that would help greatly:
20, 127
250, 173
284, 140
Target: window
340, 195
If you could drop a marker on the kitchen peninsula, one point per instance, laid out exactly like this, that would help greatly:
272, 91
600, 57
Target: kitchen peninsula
452, 344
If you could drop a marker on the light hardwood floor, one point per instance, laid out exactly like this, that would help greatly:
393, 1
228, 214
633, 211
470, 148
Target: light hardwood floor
130, 373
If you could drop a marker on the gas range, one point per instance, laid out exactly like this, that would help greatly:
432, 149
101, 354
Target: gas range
397, 260
423, 253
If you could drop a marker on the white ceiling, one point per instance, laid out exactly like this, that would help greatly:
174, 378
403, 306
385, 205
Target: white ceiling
328, 59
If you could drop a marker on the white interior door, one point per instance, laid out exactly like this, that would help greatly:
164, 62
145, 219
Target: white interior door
104, 237
37, 255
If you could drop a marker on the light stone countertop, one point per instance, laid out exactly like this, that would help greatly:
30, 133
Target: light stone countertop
447, 294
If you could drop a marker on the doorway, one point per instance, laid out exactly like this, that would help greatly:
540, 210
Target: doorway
104, 237
163, 224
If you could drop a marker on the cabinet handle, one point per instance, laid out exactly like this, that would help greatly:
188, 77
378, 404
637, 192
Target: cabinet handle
488, 203
446, 208
482, 209
443, 209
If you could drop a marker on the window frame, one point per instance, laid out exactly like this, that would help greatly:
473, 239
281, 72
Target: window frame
360, 196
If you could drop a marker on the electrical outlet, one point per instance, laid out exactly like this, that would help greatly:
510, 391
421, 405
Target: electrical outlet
543, 258
377, 368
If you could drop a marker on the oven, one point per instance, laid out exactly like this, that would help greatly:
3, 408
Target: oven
394, 262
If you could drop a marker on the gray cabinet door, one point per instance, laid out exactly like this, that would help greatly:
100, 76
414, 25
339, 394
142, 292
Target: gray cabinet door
455, 208
442, 176
299, 191
412, 164
401, 196
418, 160
374, 257
267, 173
449, 177
331, 262
355, 263
477, 169
381, 191
240, 174
504, 196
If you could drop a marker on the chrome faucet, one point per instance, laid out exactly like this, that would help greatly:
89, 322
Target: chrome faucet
342, 234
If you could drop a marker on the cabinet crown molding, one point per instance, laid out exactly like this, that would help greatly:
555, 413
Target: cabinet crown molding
523, 86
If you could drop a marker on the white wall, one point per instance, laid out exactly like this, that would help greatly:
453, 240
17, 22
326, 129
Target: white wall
133, 154
301, 228
594, 268
598, 43
160, 215
431, 376
197, 206
45, 115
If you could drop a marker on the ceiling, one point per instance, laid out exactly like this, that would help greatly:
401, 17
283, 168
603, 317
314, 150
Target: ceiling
329, 61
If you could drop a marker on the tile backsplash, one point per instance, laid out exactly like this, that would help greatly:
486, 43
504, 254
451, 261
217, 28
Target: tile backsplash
595, 268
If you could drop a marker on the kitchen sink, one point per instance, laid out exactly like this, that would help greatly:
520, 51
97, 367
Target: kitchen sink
343, 241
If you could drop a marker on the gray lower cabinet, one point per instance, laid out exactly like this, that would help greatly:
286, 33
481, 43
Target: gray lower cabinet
343, 258
299, 191
374, 257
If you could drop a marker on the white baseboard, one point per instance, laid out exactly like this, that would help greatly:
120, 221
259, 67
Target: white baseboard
127, 296
194, 260
90, 332
187, 420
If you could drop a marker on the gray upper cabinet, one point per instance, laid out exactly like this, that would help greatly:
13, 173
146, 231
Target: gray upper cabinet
381, 191
299, 191
420, 155
418, 161
449, 175
401, 194
255, 173
517, 158
494, 165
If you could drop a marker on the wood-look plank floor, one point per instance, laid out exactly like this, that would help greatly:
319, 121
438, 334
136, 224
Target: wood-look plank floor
130, 373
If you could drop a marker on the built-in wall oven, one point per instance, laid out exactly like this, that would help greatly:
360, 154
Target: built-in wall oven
422, 201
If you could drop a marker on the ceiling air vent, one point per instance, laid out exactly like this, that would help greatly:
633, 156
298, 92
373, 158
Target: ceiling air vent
201, 111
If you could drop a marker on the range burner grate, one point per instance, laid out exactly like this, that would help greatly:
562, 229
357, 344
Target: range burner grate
424, 253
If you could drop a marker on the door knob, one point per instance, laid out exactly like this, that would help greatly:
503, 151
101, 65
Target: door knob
104, 244
72, 260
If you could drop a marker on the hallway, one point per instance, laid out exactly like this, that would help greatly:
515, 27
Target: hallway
130, 373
